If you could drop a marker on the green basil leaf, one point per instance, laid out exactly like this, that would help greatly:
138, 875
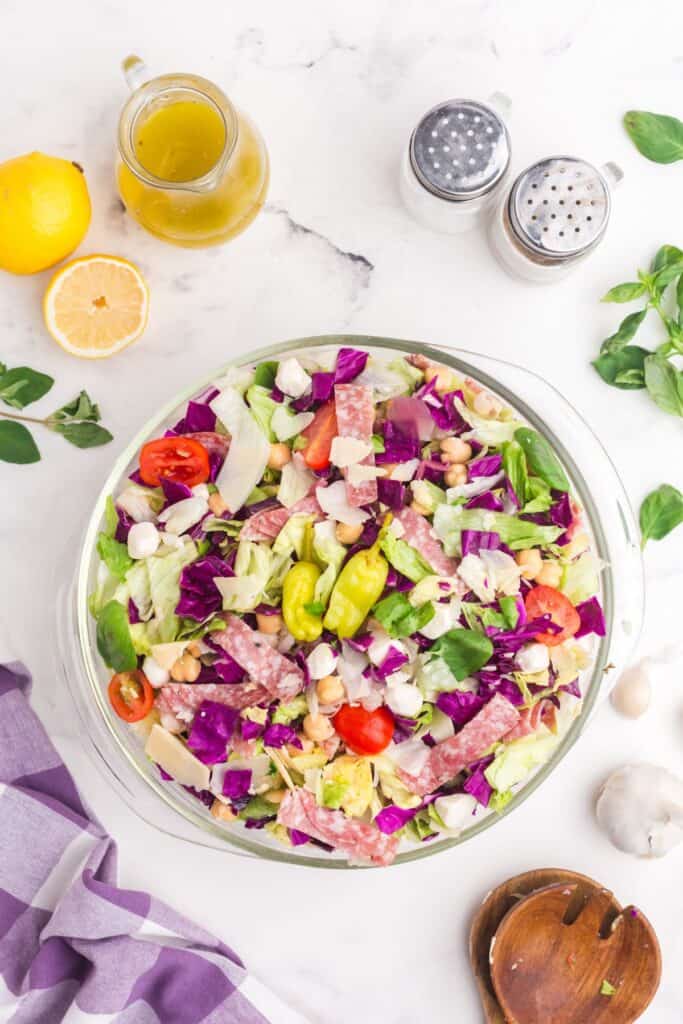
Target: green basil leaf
84, 434
626, 330
668, 274
541, 459
17, 444
113, 638
81, 407
625, 292
264, 375
114, 555
663, 383
514, 467
398, 616
624, 368
464, 650
630, 380
666, 254
22, 386
657, 136
660, 513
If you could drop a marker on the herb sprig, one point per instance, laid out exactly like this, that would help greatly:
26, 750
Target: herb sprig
632, 367
77, 421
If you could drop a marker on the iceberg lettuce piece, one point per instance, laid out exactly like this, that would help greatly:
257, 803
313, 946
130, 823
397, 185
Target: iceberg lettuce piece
451, 520
514, 761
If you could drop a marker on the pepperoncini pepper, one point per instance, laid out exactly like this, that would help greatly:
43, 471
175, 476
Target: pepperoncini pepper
298, 591
359, 586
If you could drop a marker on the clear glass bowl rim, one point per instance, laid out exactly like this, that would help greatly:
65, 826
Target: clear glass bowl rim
240, 837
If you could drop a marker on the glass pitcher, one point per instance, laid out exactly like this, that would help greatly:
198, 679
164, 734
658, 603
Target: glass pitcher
191, 169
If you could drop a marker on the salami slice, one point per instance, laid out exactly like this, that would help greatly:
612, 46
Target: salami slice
531, 719
446, 759
262, 663
355, 413
266, 525
418, 532
182, 699
357, 839
215, 444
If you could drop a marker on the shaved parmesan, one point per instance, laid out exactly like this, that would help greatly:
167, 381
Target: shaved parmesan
183, 515
295, 482
286, 424
346, 451
167, 654
248, 453
334, 502
174, 757
359, 473
405, 470
291, 378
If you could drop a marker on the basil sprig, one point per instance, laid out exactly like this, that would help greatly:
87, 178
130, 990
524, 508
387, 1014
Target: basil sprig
632, 367
660, 513
77, 421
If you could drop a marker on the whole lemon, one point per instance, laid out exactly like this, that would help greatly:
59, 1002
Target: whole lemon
44, 211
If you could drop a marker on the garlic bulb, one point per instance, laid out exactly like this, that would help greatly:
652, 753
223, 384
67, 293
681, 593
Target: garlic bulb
640, 806
632, 693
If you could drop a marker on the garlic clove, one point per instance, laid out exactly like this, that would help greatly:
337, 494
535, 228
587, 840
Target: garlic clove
632, 694
640, 807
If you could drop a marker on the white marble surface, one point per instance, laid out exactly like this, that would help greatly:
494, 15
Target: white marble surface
336, 87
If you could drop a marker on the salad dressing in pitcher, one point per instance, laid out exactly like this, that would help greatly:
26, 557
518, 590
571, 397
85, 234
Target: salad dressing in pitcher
192, 170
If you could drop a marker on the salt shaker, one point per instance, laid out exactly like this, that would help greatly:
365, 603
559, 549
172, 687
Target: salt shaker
553, 216
454, 166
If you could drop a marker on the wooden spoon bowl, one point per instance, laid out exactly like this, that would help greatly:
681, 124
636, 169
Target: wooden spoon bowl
543, 943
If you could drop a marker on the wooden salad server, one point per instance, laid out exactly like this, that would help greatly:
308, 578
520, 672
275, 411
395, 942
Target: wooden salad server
565, 952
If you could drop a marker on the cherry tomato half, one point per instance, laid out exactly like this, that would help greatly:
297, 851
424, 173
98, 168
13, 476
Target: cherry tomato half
548, 601
131, 695
364, 732
319, 434
181, 459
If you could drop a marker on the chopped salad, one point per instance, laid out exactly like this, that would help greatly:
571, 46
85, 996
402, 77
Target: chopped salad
347, 599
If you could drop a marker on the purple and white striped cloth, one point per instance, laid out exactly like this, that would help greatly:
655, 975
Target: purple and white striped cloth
73, 946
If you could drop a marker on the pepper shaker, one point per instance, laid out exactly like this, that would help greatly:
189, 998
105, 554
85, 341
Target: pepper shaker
553, 216
454, 166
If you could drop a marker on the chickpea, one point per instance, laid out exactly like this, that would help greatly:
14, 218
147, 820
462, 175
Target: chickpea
318, 728
579, 543
443, 377
550, 575
530, 562
216, 504
389, 468
279, 456
456, 451
194, 649
346, 534
268, 624
222, 811
186, 669
486, 405
330, 689
274, 796
455, 475
421, 509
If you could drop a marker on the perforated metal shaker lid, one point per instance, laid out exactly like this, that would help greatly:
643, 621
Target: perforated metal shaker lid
559, 207
460, 150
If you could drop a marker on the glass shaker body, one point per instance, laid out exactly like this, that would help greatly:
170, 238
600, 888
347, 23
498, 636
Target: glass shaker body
455, 164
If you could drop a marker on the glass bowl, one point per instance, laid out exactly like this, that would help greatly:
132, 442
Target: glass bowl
118, 752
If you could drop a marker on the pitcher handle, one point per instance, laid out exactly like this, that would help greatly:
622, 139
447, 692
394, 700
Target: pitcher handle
135, 72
